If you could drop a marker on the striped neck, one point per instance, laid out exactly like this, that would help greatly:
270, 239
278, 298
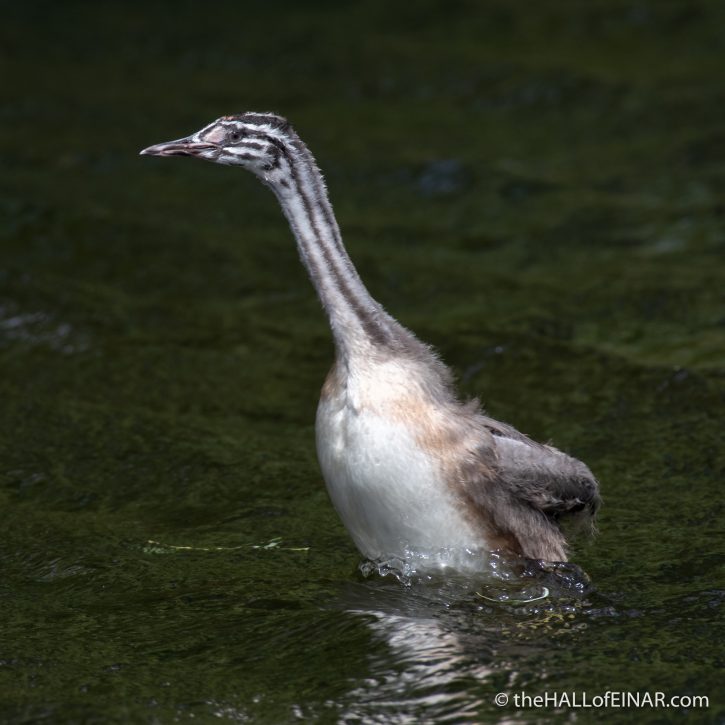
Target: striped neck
357, 321
266, 145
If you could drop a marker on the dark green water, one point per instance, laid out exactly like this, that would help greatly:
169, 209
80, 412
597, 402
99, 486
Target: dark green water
537, 189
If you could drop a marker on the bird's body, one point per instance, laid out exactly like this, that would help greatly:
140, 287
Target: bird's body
408, 467
386, 453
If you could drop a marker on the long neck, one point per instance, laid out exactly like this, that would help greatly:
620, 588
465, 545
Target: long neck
357, 320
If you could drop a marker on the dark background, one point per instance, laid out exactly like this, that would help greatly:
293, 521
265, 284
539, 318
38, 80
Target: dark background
535, 188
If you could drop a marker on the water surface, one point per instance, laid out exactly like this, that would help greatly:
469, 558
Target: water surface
537, 190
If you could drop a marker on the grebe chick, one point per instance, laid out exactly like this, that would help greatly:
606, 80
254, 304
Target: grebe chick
407, 466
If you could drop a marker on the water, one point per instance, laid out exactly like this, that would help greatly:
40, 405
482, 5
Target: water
535, 190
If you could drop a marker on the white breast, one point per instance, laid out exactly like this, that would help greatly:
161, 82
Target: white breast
389, 491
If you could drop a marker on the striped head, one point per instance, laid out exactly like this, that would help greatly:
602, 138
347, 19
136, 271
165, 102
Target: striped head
255, 141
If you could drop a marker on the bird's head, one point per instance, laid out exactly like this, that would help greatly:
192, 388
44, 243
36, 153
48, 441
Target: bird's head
256, 141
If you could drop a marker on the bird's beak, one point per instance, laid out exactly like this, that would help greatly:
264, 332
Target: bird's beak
183, 147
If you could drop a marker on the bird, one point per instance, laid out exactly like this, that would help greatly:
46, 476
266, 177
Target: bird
408, 465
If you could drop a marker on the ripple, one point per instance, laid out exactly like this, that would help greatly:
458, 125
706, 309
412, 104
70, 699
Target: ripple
505, 578
446, 636
39, 329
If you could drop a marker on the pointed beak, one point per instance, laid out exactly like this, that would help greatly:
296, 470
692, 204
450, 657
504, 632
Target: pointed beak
183, 147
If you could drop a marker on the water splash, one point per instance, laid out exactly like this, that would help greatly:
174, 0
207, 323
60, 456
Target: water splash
496, 577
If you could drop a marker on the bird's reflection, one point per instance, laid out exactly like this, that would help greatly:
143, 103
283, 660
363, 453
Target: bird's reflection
447, 647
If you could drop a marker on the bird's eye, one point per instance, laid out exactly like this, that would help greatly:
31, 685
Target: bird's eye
235, 136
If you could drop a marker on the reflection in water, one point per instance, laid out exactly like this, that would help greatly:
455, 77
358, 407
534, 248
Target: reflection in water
449, 645
422, 671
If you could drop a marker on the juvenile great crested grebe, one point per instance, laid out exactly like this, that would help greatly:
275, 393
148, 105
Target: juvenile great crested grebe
408, 467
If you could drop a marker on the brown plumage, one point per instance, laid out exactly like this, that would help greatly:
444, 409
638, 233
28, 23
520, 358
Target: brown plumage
408, 467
